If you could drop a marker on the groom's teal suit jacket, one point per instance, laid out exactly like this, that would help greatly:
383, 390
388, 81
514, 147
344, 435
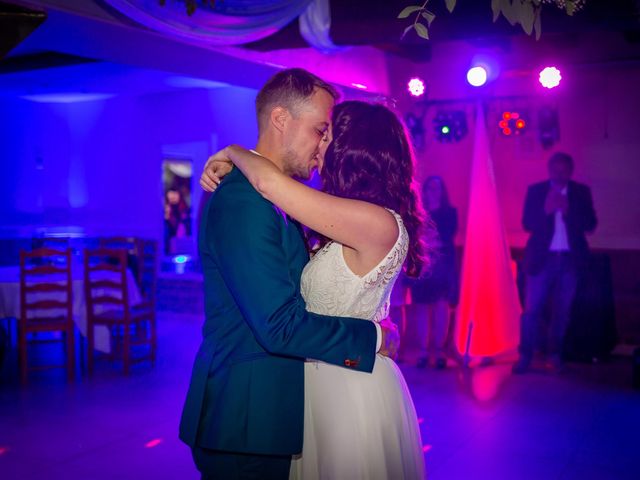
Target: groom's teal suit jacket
247, 386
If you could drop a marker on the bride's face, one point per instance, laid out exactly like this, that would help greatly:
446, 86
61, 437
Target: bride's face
323, 148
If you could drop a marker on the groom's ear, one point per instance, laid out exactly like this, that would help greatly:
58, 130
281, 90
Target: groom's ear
279, 116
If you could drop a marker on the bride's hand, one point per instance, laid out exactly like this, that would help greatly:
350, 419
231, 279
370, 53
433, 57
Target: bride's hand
217, 167
390, 339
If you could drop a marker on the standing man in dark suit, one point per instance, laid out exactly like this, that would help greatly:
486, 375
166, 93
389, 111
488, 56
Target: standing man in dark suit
243, 416
557, 213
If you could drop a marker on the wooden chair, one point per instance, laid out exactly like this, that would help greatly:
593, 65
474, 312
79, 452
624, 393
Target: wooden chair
147, 252
46, 273
144, 265
142, 260
107, 299
130, 244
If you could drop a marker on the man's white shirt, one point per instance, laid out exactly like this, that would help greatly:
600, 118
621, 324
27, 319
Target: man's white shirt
560, 241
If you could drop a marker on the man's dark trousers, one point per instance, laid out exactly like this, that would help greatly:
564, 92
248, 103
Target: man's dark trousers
556, 281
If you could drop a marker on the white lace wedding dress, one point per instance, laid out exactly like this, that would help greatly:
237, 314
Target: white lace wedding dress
357, 426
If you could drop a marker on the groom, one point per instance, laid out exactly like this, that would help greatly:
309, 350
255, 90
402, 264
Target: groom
243, 416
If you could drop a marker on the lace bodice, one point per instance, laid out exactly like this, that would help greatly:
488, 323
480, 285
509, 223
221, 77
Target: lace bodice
329, 287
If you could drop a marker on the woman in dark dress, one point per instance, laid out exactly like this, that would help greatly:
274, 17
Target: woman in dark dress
437, 289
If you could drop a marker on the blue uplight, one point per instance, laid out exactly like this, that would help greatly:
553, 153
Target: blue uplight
180, 259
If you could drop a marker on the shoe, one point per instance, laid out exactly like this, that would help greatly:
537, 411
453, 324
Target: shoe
441, 364
521, 366
422, 362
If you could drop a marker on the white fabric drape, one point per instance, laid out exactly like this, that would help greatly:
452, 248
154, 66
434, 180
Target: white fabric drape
315, 26
232, 22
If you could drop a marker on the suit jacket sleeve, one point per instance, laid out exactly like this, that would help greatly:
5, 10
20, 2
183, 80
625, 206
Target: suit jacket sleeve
581, 215
534, 217
247, 242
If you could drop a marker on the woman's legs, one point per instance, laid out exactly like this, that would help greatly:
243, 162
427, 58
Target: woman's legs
432, 325
421, 322
439, 330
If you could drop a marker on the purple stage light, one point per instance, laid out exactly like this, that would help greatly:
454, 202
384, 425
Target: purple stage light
192, 82
359, 85
550, 77
477, 76
416, 87
67, 97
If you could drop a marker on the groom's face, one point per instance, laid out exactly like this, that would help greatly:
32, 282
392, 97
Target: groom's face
306, 133
323, 148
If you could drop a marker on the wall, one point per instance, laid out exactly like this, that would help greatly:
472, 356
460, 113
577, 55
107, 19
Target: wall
597, 104
97, 164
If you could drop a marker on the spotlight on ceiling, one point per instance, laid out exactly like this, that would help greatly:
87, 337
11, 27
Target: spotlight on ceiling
450, 126
550, 77
477, 76
548, 126
512, 123
416, 129
416, 87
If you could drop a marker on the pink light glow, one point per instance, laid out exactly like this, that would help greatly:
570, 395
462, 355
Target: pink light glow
550, 77
416, 87
3, 450
488, 314
420, 421
426, 448
153, 443
359, 85
486, 382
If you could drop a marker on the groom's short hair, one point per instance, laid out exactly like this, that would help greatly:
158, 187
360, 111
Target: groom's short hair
288, 88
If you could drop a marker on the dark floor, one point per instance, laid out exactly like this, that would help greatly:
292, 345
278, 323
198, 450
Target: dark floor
483, 424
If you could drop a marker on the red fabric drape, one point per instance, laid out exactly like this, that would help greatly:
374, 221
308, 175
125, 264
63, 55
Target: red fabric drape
489, 310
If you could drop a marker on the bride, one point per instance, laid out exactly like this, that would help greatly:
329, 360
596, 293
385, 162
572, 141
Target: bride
367, 220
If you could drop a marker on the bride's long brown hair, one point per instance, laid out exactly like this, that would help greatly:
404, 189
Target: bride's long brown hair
370, 159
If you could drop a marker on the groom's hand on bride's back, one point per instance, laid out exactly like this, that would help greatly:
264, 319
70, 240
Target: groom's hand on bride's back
216, 168
390, 338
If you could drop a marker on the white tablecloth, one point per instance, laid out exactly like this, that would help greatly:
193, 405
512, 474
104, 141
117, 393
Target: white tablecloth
10, 299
